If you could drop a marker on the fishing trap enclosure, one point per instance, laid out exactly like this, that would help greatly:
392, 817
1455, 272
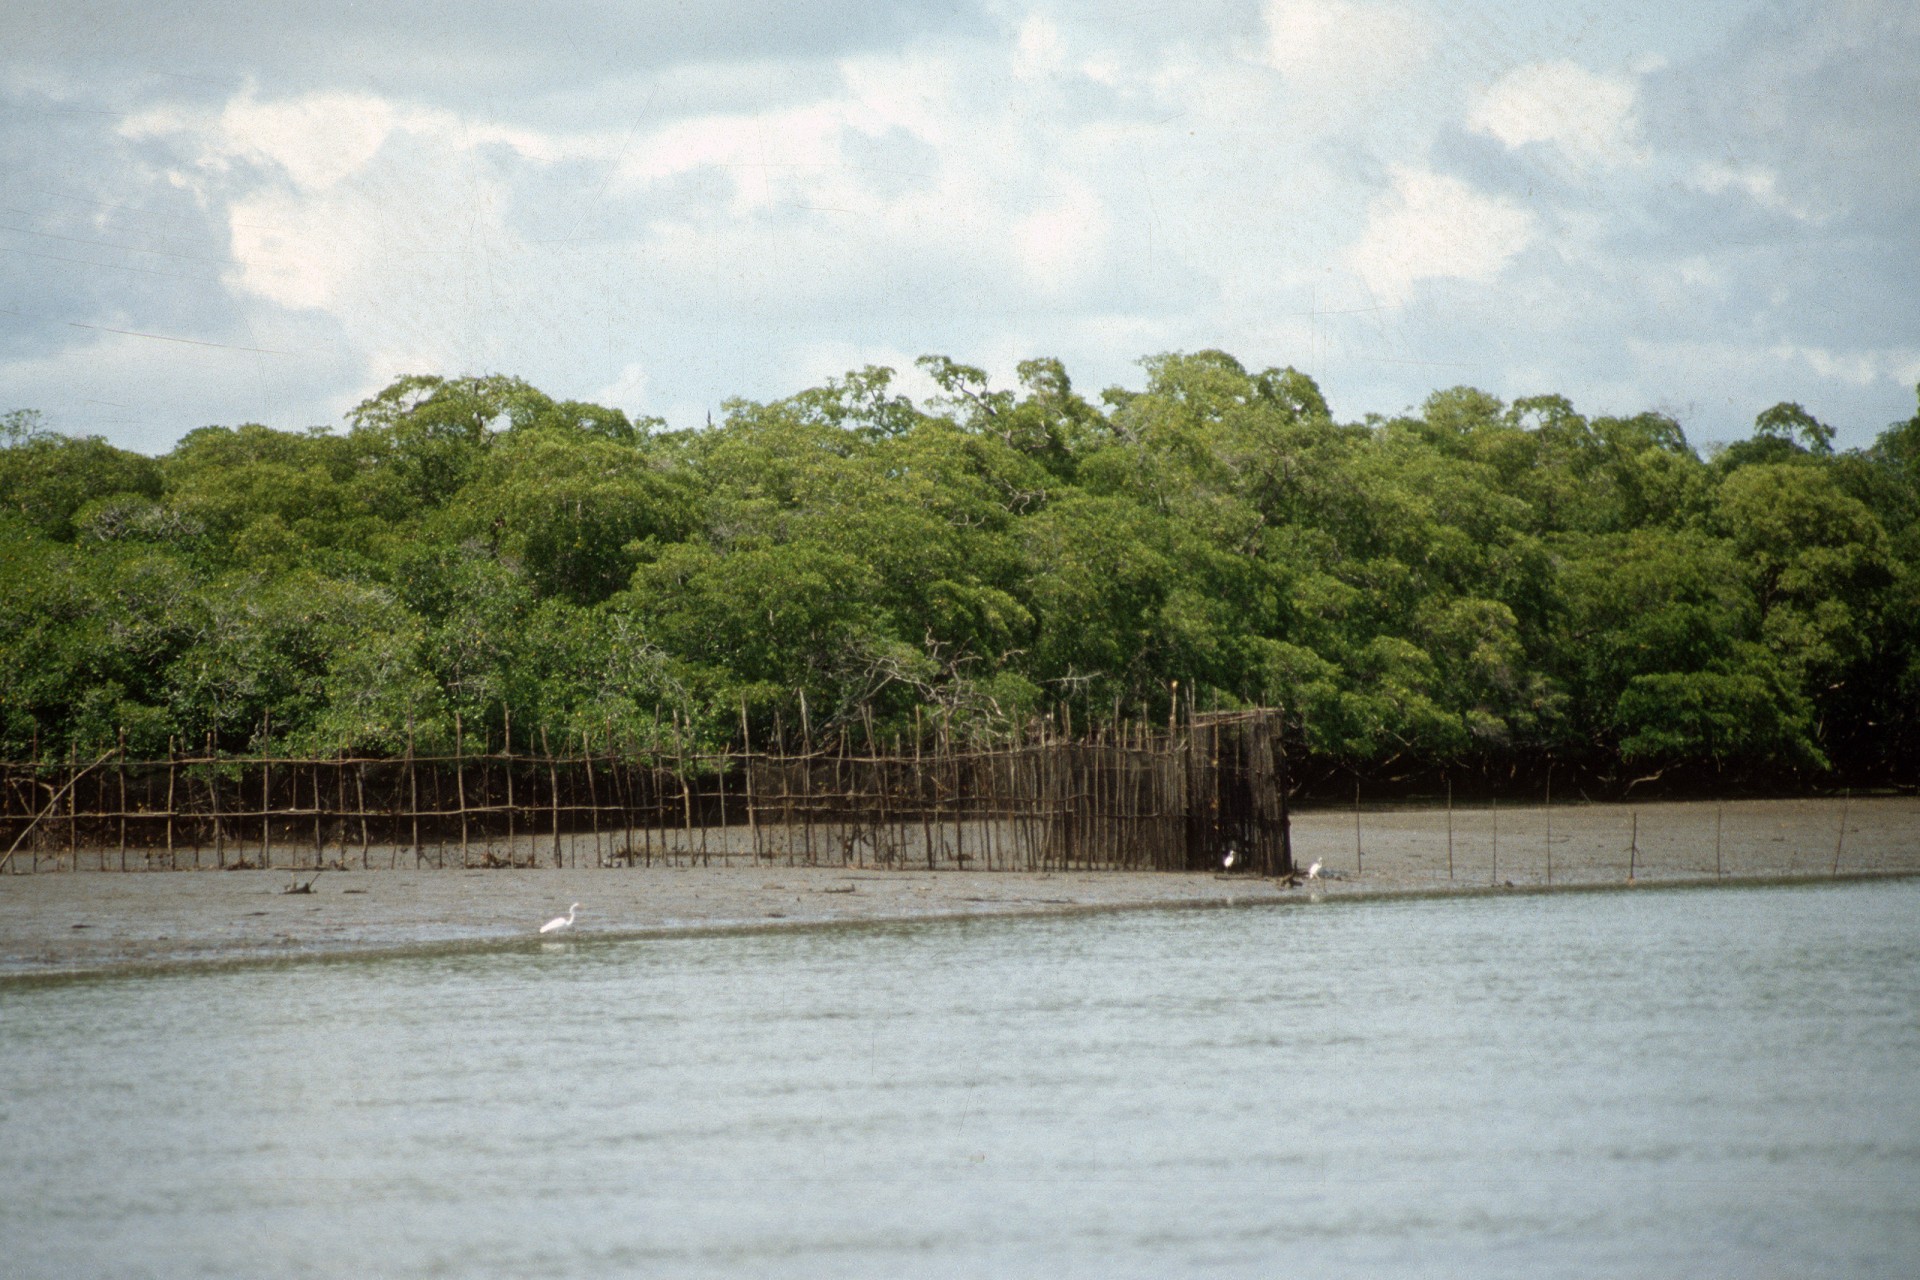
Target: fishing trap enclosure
1126, 797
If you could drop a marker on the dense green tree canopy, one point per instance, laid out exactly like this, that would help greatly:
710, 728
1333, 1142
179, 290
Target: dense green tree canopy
1476, 585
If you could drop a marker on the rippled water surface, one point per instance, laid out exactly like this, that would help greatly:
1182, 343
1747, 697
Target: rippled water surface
1720, 1082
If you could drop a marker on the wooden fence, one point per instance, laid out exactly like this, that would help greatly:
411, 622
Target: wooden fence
1133, 797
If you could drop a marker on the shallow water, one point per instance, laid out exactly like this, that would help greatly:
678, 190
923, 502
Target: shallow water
1717, 1082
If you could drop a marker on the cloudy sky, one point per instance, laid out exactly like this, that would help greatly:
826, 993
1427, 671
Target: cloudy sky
234, 211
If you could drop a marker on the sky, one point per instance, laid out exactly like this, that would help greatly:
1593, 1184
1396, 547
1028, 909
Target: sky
233, 212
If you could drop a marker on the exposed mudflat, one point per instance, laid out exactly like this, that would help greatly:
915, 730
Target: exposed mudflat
78, 921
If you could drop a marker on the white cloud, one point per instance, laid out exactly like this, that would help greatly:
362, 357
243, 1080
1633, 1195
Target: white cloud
1862, 368
1095, 182
1039, 48
1757, 182
1322, 45
1061, 243
1589, 117
1433, 226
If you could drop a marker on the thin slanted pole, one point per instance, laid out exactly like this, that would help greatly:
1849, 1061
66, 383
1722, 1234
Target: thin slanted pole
1717, 872
593, 798
213, 793
806, 779
726, 834
360, 807
553, 791
686, 790
1633, 850
413, 792
1549, 807
1359, 865
1838, 844
319, 836
53, 804
171, 767
1449, 829
786, 784
73, 807
121, 770
460, 782
266, 805
1494, 801
1286, 816
506, 753
746, 762
919, 781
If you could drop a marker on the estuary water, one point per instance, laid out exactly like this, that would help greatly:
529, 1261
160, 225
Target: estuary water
1650, 1083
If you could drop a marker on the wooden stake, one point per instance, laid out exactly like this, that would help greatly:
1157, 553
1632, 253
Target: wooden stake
746, 759
360, 807
1841, 840
1359, 865
593, 800
413, 793
506, 754
73, 809
121, 770
553, 793
460, 782
1549, 822
266, 803
213, 791
171, 767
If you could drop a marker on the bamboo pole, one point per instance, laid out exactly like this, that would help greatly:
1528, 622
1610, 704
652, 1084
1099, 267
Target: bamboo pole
686, 793
313, 785
171, 768
73, 808
1549, 808
786, 785
553, 792
746, 760
266, 800
876, 773
360, 807
1841, 840
51, 805
726, 833
806, 779
413, 793
593, 799
1359, 858
919, 784
121, 770
460, 782
213, 795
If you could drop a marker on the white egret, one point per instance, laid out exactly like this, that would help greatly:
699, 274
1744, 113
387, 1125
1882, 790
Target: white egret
560, 922
1226, 863
1313, 872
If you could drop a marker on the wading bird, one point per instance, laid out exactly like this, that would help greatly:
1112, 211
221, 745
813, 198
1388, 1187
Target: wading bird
1313, 872
558, 923
1226, 863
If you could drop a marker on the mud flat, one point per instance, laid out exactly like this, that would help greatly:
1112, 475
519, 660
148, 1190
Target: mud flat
88, 921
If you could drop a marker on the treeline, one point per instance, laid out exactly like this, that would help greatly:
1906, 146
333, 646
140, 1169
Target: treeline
1479, 588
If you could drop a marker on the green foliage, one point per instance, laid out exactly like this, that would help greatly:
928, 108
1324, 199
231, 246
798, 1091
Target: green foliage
1478, 583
